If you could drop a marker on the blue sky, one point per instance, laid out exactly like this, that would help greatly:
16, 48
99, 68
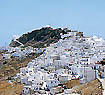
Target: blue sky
20, 16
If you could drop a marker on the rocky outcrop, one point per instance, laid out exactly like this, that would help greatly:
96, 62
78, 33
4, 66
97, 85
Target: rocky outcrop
40, 38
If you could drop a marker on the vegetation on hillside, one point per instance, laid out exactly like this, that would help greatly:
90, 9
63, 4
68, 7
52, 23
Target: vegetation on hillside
40, 38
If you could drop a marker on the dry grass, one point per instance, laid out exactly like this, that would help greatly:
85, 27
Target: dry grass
72, 83
10, 89
12, 67
92, 88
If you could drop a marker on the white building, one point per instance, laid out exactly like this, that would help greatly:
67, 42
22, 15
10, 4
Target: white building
86, 74
50, 83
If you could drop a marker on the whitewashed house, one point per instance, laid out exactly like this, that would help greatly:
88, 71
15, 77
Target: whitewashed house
24, 80
85, 60
50, 83
6, 56
88, 75
63, 78
56, 90
26, 89
98, 65
85, 73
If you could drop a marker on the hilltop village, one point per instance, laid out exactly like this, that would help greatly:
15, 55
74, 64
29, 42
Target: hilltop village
73, 57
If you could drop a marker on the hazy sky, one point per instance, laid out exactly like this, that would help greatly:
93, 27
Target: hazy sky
20, 16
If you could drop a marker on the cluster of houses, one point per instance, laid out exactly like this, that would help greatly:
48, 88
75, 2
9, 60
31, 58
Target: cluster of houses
74, 56
18, 52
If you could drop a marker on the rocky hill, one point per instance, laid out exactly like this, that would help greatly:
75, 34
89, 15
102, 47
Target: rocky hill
40, 37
